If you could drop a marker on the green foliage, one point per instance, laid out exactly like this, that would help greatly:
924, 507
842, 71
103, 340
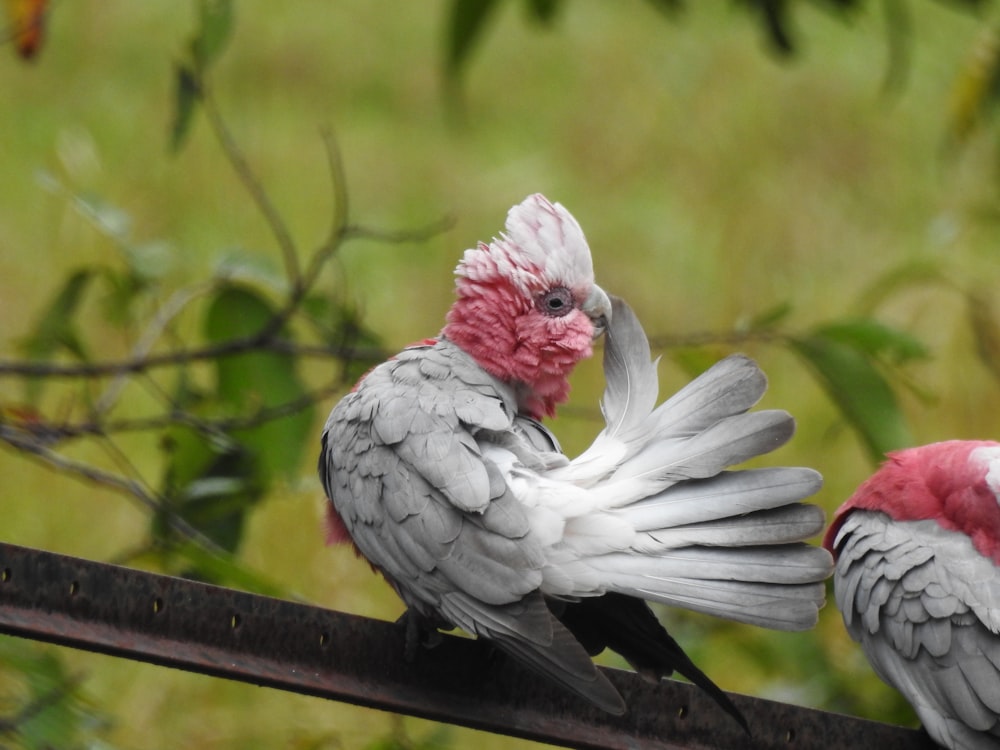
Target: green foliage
467, 22
976, 91
251, 381
47, 709
56, 330
983, 320
841, 357
215, 25
212, 484
438, 738
214, 475
186, 93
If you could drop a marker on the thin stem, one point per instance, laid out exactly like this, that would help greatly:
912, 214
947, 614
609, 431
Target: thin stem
705, 338
164, 314
252, 185
27, 444
254, 343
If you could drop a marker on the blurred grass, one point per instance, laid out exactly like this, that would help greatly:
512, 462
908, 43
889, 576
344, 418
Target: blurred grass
713, 183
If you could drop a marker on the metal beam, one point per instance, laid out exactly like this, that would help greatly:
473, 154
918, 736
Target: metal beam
216, 631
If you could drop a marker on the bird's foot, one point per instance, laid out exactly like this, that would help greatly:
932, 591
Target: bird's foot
420, 632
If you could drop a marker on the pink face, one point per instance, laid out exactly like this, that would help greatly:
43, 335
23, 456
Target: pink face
531, 340
527, 303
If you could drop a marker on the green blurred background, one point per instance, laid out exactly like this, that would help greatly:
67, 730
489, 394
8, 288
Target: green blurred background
715, 180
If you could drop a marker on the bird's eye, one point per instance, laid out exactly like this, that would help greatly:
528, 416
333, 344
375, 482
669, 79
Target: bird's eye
556, 302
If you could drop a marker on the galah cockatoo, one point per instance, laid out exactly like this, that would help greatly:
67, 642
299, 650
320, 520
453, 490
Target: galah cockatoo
918, 584
440, 472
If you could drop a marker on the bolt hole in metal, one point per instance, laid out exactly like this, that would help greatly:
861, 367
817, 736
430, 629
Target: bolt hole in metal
790, 736
5, 575
74, 588
682, 712
235, 622
157, 605
324, 639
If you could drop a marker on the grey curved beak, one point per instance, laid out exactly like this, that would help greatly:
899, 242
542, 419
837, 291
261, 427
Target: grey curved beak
597, 306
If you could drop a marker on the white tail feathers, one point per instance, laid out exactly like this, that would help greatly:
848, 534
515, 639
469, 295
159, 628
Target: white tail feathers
772, 586
669, 522
730, 493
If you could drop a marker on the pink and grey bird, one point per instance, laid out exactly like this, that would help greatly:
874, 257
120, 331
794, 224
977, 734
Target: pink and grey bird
918, 584
441, 474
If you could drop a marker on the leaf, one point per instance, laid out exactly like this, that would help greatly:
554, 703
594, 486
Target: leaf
466, 23
342, 329
669, 8
186, 95
215, 26
898, 279
228, 571
150, 261
859, 390
214, 30
774, 18
110, 220
56, 329
48, 709
976, 89
543, 11
694, 360
770, 317
209, 483
875, 339
124, 289
190, 559
27, 25
985, 329
251, 381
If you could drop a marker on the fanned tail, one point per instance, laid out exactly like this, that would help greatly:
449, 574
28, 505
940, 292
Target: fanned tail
673, 523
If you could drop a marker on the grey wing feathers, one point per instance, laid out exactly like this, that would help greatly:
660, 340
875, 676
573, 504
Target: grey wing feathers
528, 631
404, 471
408, 479
925, 606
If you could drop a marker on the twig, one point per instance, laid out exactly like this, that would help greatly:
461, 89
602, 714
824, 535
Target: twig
164, 314
12, 725
79, 470
303, 283
705, 338
186, 418
420, 234
252, 185
232, 347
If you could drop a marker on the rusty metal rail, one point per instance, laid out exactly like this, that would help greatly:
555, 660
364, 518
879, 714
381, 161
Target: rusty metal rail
296, 647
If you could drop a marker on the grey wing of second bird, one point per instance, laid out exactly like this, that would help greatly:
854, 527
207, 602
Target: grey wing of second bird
925, 606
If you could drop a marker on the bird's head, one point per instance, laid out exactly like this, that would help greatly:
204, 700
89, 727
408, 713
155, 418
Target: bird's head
527, 307
955, 483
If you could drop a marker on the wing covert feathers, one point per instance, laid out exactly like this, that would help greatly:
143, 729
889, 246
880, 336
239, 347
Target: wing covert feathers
925, 607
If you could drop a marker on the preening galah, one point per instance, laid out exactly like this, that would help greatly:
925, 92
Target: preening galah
440, 472
918, 584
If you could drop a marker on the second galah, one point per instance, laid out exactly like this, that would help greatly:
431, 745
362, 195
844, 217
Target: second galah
440, 472
918, 584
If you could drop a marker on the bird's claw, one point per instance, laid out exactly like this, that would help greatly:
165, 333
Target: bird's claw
420, 632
